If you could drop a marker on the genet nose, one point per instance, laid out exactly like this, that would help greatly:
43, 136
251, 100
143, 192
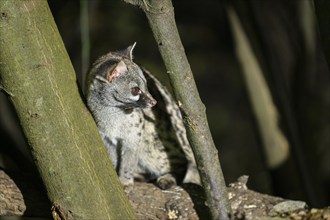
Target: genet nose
152, 102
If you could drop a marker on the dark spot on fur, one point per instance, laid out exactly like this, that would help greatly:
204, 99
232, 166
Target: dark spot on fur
129, 111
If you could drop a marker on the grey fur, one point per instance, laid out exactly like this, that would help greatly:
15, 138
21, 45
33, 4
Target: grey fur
144, 143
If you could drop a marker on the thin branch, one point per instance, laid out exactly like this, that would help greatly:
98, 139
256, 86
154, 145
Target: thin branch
85, 42
160, 15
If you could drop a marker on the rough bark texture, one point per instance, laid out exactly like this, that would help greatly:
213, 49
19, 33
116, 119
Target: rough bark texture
160, 15
151, 203
38, 77
11, 202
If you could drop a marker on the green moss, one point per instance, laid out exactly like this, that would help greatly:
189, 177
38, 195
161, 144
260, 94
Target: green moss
72, 161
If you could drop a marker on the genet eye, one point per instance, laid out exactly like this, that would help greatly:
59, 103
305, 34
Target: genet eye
135, 91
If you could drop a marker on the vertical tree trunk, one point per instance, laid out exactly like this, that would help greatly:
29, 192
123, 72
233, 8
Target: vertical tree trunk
38, 77
160, 15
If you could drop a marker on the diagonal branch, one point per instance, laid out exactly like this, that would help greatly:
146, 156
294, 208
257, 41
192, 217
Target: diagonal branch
160, 15
65, 143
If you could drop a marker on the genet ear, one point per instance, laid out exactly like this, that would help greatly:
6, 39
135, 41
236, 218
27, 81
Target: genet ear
129, 51
117, 71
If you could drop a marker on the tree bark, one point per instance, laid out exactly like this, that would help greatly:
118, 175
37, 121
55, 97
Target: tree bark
175, 203
160, 15
39, 79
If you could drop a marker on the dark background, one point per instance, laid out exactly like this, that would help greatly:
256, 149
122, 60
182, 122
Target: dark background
299, 82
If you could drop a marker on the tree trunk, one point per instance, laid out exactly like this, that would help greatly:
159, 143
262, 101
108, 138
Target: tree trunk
276, 147
160, 15
38, 77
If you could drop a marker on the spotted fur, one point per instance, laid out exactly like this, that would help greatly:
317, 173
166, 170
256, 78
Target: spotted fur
145, 141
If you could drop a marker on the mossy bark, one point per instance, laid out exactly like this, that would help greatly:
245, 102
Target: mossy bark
39, 79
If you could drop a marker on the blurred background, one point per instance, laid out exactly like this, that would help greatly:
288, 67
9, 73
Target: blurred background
283, 41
